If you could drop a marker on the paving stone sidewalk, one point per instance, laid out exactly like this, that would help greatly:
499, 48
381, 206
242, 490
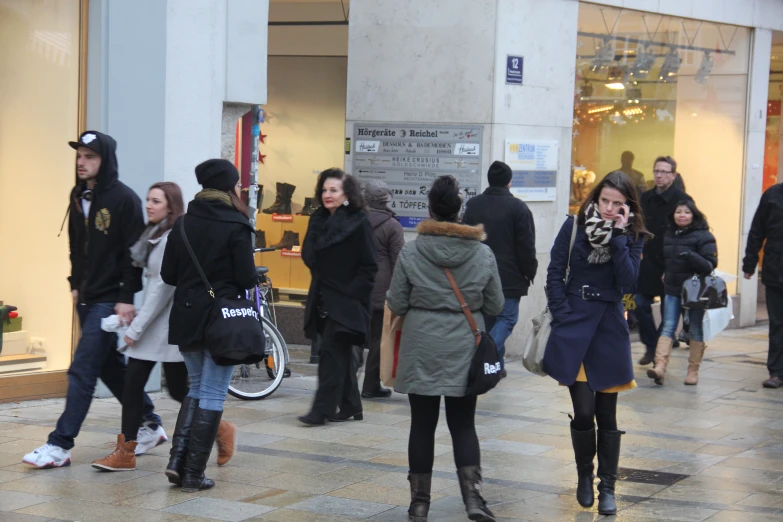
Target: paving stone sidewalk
710, 452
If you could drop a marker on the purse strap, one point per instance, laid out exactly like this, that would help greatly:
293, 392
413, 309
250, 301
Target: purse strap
193, 257
464, 306
570, 249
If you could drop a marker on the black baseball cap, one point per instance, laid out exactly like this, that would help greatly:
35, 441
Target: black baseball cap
88, 139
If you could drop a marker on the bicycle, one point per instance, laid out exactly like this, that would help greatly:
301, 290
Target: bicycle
251, 381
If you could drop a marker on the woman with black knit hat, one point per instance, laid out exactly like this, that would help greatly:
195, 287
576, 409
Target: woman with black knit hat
437, 344
217, 227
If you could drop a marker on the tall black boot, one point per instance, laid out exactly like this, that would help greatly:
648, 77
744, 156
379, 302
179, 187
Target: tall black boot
278, 207
202, 438
608, 462
260, 239
288, 189
470, 483
584, 453
421, 484
180, 439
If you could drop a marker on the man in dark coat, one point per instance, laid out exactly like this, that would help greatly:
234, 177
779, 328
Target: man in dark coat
389, 240
105, 219
768, 225
658, 204
511, 234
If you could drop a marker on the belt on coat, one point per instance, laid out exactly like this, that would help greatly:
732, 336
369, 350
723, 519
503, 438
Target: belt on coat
592, 293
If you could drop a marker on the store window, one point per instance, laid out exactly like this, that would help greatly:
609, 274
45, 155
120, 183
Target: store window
39, 113
649, 85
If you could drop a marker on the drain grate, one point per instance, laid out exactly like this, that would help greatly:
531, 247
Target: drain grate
645, 476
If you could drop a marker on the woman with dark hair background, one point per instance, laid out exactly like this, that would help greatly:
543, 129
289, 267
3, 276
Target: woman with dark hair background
589, 348
339, 250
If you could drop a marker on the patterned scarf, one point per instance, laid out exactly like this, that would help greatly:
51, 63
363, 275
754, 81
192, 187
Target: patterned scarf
599, 233
215, 195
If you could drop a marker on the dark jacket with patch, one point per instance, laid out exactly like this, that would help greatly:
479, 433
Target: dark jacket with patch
688, 251
592, 331
101, 265
389, 240
221, 239
657, 209
767, 225
340, 252
511, 235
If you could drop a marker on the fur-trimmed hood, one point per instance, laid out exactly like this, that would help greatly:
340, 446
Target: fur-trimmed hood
448, 244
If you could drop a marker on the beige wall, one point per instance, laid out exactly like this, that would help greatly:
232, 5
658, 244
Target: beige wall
39, 73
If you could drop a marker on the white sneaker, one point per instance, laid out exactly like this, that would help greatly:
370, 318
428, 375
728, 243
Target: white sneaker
147, 438
48, 456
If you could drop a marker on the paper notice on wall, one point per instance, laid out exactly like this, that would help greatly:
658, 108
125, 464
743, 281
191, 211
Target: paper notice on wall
534, 167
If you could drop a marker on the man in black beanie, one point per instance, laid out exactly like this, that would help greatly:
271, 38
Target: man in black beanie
511, 234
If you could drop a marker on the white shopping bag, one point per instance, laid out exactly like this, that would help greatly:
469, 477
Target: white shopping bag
716, 320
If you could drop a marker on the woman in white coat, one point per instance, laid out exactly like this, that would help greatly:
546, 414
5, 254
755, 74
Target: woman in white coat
147, 336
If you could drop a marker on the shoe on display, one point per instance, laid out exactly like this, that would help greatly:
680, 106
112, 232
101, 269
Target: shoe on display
122, 458
290, 239
260, 239
282, 204
48, 456
147, 438
310, 206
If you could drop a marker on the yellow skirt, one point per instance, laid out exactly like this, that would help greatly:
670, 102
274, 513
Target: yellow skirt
582, 377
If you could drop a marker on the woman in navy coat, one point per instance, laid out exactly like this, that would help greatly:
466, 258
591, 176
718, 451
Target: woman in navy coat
589, 349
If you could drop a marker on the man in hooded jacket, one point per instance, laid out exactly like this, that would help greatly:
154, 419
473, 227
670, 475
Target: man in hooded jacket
105, 219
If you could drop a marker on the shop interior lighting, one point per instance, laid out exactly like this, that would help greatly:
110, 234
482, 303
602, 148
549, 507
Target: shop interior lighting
603, 57
644, 61
705, 69
615, 86
632, 112
602, 108
633, 94
671, 66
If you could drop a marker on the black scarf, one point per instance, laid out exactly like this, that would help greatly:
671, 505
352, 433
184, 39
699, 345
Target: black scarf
329, 229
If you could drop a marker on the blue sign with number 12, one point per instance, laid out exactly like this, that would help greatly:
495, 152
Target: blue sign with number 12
514, 70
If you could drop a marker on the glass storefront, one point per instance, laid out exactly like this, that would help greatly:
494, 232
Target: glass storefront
39, 113
649, 85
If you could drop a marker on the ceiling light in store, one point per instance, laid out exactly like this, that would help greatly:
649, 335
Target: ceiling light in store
603, 56
632, 112
615, 86
602, 108
671, 66
705, 69
644, 62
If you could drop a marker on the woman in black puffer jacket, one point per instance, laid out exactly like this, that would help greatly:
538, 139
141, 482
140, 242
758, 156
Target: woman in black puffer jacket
689, 249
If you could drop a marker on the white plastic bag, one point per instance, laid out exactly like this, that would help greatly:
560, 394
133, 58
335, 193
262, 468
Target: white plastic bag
533, 355
716, 320
113, 324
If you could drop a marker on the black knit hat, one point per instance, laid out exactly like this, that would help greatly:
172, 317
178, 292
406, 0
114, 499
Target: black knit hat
217, 174
445, 199
499, 174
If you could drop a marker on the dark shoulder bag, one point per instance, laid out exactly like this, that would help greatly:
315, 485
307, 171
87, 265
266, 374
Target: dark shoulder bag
234, 334
484, 373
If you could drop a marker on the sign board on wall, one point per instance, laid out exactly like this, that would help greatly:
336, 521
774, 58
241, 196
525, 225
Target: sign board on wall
408, 158
534, 167
514, 66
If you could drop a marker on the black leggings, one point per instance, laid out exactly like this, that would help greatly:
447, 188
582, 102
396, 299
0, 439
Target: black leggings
589, 405
460, 414
133, 394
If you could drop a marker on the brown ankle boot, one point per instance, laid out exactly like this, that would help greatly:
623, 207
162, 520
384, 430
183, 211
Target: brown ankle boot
694, 361
122, 459
662, 353
226, 442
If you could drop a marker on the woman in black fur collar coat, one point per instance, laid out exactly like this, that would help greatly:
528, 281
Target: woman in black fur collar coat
340, 253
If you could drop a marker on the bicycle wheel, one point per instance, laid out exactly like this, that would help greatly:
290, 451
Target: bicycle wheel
253, 382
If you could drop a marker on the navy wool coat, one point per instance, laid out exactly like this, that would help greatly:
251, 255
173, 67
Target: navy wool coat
592, 331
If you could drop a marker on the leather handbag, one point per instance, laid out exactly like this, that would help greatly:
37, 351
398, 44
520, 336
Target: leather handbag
704, 292
390, 345
484, 372
234, 334
533, 355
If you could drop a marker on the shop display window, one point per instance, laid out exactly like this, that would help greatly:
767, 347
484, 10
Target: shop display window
649, 85
39, 112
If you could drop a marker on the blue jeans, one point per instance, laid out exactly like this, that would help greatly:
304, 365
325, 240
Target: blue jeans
501, 326
671, 317
96, 356
208, 381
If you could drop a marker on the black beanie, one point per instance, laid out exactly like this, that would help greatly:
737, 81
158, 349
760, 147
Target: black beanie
218, 174
445, 199
499, 174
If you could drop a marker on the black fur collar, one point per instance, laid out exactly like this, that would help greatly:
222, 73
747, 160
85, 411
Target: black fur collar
329, 229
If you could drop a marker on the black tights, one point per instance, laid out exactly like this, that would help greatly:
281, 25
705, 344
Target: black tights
589, 405
133, 394
460, 414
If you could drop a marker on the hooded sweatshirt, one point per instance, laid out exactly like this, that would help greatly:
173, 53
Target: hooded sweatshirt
101, 264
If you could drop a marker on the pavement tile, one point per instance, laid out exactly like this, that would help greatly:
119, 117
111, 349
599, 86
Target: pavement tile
312, 484
217, 509
13, 500
344, 507
277, 498
91, 512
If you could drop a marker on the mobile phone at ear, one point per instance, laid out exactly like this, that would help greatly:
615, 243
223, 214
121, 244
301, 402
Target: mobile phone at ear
621, 211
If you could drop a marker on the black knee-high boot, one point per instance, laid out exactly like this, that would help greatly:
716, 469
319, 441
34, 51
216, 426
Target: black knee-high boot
608, 462
202, 438
180, 439
584, 453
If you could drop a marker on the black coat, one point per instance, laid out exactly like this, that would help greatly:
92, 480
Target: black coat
389, 240
339, 250
221, 239
593, 331
767, 225
511, 235
688, 251
656, 210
